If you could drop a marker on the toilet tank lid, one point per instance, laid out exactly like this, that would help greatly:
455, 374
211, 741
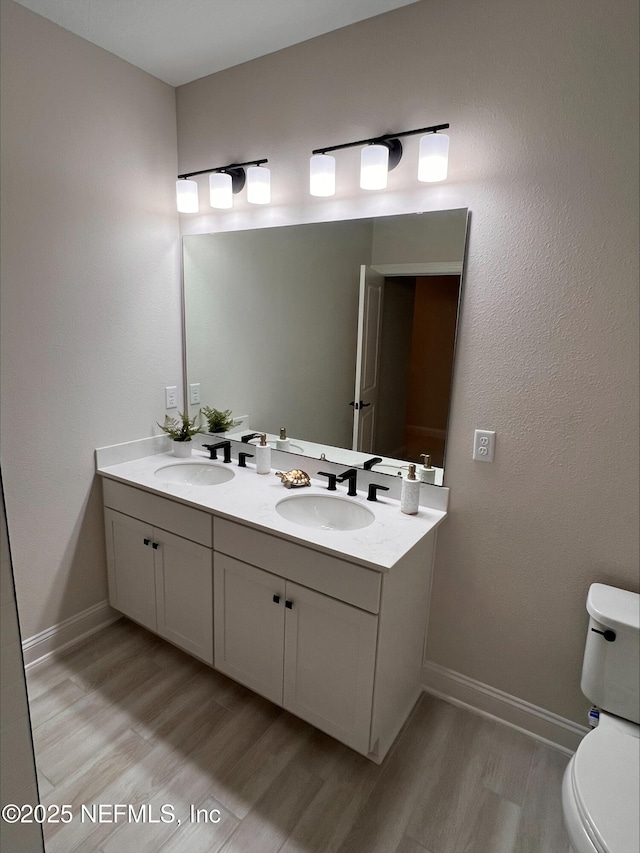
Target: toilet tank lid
615, 607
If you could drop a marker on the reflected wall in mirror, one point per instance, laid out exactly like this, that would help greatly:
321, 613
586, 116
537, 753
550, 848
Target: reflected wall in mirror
294, 325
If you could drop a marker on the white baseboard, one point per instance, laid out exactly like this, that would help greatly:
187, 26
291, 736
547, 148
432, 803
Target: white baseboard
543, 725
41, 646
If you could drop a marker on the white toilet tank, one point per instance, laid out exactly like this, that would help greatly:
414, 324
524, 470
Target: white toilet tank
611, 667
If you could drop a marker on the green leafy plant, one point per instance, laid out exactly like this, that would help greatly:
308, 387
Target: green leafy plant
218, 421
182, 427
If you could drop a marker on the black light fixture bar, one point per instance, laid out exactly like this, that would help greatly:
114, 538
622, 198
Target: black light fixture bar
228, 168
380, 139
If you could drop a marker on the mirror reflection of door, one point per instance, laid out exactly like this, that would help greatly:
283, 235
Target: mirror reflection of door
415, 359
365, 401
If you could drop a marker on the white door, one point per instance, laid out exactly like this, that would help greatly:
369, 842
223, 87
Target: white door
330, 653
249, 625
184, 594
367, 359
130, 563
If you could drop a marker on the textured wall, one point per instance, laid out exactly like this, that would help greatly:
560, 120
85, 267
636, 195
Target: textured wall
542, 100
90, 296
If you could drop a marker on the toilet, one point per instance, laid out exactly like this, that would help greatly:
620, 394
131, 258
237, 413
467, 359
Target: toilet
601, 787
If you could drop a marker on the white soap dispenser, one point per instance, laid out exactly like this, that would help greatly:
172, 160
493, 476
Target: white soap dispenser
410, 494
283, 443
263, 456
426, 473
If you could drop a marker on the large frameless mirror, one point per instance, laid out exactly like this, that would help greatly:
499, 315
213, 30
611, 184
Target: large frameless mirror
341, 332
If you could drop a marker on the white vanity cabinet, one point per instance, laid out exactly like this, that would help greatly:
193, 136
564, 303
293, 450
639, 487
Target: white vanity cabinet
337, 644
332, 632
131, 567
306, 651
160, 579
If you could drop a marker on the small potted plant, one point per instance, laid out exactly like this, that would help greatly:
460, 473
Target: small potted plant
180, 430
217, 421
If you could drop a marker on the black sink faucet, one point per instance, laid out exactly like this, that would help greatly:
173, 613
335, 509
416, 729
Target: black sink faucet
221, 445
245, 439
332, 479
242, 459
351, 475
374, 488
368, 465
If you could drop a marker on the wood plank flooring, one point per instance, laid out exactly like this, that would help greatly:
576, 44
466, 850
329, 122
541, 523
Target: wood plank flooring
128, 719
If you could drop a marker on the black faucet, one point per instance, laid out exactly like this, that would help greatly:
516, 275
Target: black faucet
245, 439
374, 488
332, 480
221, 445
242, 459
351, 475
368, 465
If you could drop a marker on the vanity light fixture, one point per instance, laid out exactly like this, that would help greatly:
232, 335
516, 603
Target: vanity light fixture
187, 196
224, 183
379, 156
258, 185
433, 157
322, 175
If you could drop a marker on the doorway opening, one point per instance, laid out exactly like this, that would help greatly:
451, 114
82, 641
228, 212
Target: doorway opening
417, 343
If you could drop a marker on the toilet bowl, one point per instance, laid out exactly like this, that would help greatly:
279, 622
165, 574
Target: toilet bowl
601, 785
601, 789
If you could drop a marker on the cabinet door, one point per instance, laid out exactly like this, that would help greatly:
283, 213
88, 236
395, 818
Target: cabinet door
330, 651
249, 625
130, 562
184, 594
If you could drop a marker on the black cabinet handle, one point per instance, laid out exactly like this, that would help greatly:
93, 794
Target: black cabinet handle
276, 599
289, 605
147, 541
155, 546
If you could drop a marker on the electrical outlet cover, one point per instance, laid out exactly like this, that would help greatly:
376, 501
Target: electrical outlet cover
484, 444
171, 397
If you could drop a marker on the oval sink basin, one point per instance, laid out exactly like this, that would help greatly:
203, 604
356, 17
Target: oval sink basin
194, 474
325, 512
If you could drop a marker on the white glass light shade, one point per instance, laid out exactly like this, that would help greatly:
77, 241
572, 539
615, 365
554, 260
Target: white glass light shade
322, 175
374, 167
187, 196
258, 185
220, 193
433, 157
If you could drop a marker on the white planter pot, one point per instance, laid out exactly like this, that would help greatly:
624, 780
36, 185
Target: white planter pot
181, 448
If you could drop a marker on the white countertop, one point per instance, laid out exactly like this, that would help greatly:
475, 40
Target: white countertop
250, 498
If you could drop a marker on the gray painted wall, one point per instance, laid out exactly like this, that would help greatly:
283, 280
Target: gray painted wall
542, 101
90, 307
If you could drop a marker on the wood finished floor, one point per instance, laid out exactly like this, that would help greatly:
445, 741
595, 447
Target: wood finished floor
127, 718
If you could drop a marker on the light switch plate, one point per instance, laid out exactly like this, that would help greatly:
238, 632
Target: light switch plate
194, 394
484, 445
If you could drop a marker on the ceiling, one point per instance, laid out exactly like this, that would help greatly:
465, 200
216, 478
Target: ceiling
182, 40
